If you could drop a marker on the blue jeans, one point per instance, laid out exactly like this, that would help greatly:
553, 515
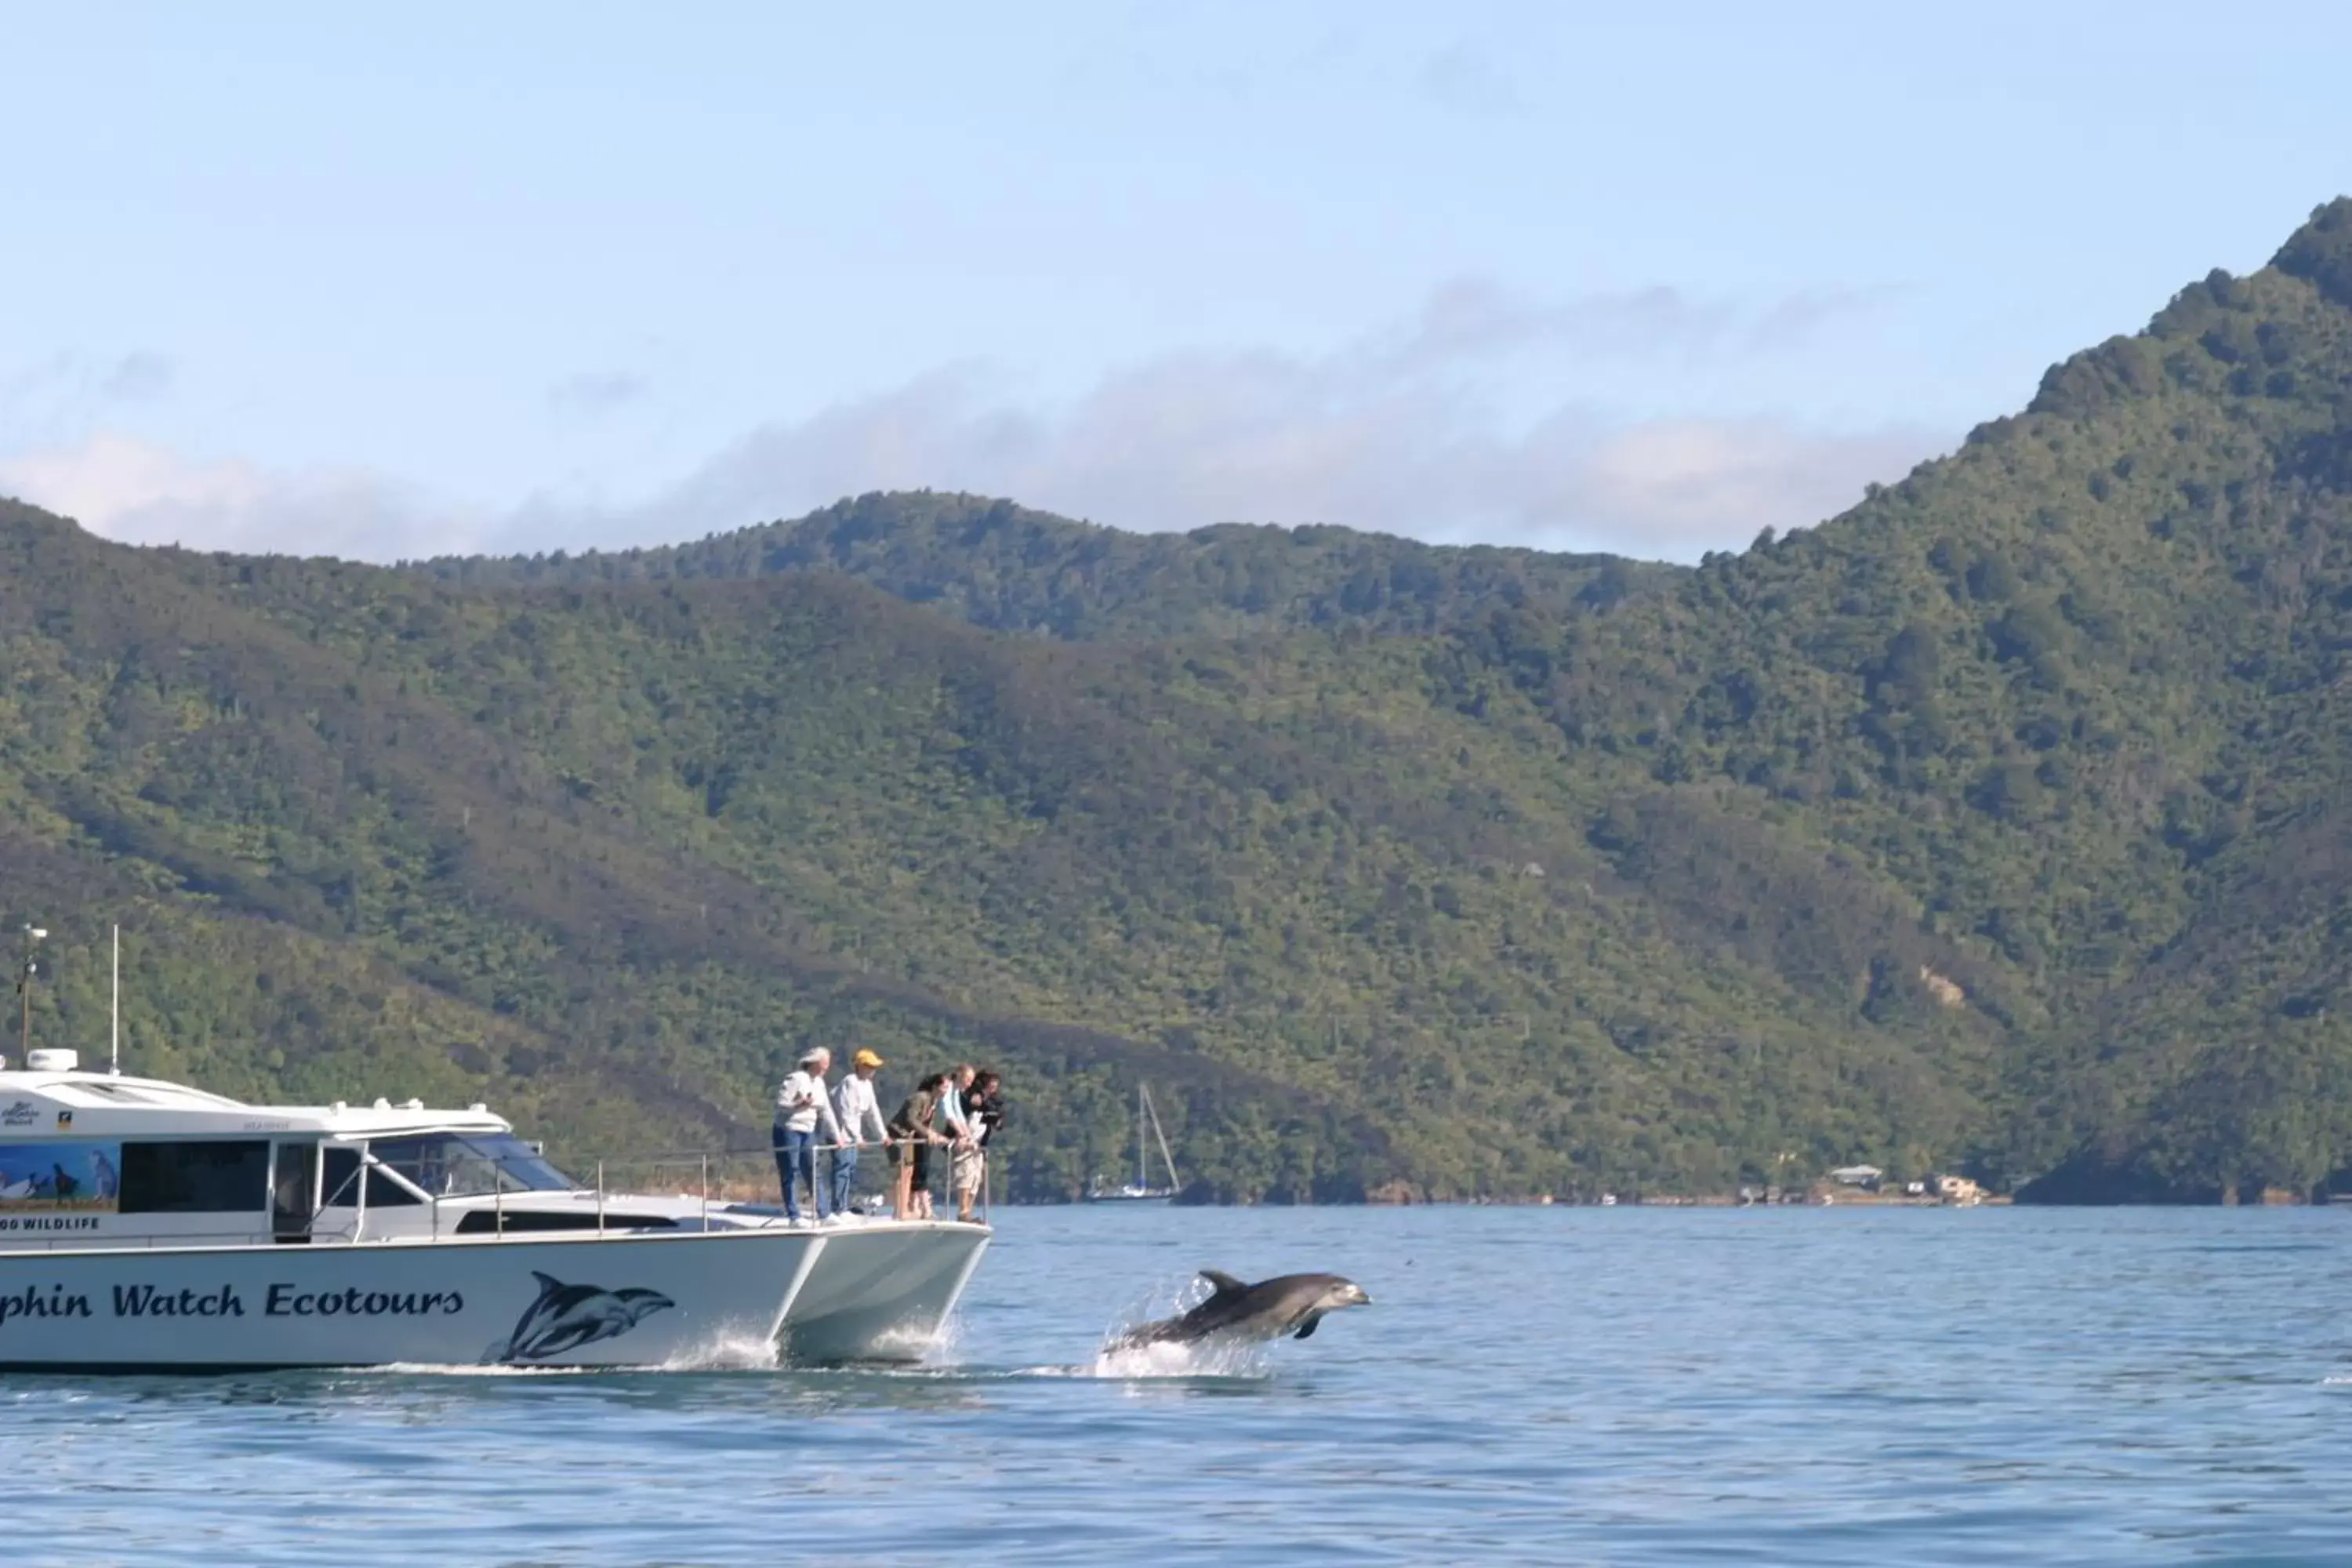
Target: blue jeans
795, 1163
845, 1176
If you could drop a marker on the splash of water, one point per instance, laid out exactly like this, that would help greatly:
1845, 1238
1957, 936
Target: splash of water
1163, 1359
469, 1369
938, 1347
1208, 1358
728, 1349
1165, 1299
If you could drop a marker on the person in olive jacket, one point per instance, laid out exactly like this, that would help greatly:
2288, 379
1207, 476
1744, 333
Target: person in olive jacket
911, 1138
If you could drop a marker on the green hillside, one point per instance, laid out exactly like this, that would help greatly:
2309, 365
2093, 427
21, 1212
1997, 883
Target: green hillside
1008, 568
2076, 692
1994, 825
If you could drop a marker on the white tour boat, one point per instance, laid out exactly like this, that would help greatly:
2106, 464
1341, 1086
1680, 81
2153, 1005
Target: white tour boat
146, 1223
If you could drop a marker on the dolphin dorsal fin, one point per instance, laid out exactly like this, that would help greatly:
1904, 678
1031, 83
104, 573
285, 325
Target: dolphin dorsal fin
1221, 1283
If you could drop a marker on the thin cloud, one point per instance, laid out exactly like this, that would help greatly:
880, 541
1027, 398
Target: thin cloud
139, 493
140, 377
1469, 320
1679, 488
49, 402
597, 392
1392, 432
1798, 315
1465, 77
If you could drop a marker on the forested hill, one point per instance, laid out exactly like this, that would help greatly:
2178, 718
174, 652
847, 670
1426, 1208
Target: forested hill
1008, 568
2078, 695
1998, 823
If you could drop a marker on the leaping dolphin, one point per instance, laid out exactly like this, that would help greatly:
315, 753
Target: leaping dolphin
565, 1317
1289, 1305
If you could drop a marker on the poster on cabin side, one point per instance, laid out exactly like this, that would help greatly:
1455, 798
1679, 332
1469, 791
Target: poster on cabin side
58, 1176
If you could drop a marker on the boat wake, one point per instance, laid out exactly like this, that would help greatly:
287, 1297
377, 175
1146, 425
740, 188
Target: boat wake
722, 1352
468, 1369
725, 1352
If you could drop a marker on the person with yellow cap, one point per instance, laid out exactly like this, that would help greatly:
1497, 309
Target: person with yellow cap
855, 1106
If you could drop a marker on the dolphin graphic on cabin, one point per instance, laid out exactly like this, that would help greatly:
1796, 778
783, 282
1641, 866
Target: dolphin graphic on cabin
565, 1317
1290, 1305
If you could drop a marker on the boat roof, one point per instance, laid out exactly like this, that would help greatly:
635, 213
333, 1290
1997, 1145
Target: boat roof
79, 1104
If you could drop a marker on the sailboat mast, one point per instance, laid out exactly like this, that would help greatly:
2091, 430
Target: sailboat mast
1166, 1158
1142, 1179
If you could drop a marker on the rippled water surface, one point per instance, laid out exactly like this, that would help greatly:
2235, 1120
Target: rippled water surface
1605, 1386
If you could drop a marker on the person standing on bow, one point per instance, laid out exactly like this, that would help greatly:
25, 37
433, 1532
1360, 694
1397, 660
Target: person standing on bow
800, 1102
953, 1122
983, 1112
854, 1108
912, 1135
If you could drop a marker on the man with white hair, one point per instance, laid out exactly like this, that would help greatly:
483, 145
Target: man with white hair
800, 1102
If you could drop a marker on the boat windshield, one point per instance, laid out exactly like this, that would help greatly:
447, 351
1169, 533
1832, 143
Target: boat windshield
446, 1165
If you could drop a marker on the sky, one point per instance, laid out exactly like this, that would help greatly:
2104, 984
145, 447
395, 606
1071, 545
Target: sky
405, 280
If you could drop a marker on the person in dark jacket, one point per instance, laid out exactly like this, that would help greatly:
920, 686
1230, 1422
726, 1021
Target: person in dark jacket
911, 1138
983, 1113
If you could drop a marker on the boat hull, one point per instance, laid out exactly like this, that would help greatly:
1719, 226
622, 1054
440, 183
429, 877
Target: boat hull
881, 1292
648, 1299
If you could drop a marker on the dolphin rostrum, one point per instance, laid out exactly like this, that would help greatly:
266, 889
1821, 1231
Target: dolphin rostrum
1289, 1305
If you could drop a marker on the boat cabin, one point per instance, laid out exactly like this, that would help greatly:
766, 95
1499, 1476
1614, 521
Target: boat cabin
101, 1160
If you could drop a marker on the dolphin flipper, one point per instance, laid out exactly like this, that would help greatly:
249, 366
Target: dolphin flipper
1221, 1283
1305, 1328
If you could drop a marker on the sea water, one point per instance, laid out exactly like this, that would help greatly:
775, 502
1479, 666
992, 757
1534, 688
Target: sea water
1624, 1385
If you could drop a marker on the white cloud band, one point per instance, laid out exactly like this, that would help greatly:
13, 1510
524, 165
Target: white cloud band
1390, 433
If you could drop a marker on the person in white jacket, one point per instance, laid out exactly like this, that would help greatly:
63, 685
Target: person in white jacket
855, 1109
801, 1101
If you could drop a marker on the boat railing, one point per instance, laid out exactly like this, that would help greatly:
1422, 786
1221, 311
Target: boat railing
750, 1175
728, 1178
722, 1178
238, 1236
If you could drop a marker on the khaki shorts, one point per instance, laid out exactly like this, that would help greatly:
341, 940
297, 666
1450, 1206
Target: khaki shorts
969, 1164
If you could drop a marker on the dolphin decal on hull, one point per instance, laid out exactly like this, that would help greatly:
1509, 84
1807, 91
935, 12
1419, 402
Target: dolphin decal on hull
565, 1317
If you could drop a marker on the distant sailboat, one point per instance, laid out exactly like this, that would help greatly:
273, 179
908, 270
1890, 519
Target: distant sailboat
1140, 1190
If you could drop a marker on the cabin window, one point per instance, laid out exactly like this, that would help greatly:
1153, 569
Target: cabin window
383, 1192
477, 1164
343, 1186
194, 1178
481, 1220
338, 1187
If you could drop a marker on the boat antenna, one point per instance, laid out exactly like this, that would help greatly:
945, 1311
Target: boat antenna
114, 1047
33, 934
